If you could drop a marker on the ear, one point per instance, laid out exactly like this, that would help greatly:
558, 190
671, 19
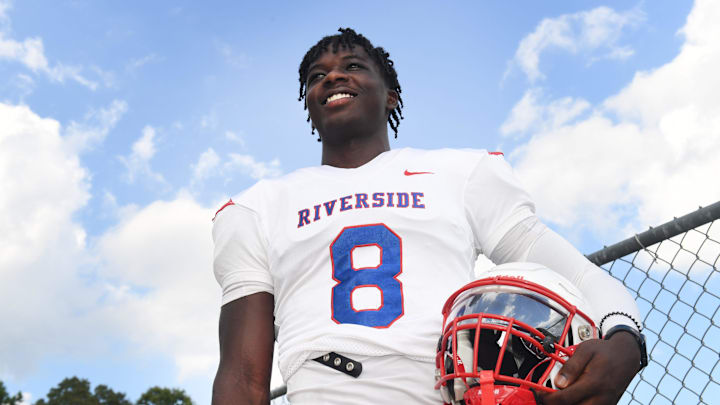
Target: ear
392, 100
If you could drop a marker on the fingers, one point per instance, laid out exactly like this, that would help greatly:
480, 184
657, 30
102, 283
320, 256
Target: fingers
594, 375
575, 366
584, 392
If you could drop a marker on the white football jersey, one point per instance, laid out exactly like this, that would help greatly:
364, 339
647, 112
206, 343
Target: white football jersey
360, 261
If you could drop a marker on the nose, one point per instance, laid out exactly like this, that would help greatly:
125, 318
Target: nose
335, 75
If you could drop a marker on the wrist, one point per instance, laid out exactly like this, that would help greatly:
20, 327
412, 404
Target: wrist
637, 336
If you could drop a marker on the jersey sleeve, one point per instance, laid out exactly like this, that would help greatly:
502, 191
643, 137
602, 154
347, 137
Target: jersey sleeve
608, 297
609, 300
240, 257
494, 201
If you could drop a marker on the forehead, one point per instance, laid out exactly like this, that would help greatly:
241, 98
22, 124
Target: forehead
343, 52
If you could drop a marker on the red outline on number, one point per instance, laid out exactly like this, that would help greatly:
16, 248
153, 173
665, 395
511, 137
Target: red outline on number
382, 298
352, 265
332, 274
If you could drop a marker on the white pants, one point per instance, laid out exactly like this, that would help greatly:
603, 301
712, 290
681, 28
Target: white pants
384, 380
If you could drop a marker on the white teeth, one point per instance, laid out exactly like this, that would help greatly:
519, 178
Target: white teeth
337, 97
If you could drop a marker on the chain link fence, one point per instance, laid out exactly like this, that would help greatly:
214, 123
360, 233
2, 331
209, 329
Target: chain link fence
673, 271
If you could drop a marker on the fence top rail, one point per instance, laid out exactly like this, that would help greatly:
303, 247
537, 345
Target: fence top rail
652, 236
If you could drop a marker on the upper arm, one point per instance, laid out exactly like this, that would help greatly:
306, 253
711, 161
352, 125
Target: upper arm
240, 260
246, 318
246, 349
494, 201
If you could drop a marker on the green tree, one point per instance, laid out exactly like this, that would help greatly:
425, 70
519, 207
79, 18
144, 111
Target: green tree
106, 396
75, 391
6, 399
164, 396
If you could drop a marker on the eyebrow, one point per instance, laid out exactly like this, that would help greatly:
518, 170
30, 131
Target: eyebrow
346, 57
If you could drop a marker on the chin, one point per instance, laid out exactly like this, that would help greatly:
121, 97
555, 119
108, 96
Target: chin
339, 127
343, 128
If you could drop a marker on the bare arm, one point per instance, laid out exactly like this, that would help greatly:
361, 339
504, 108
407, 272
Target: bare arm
246, 350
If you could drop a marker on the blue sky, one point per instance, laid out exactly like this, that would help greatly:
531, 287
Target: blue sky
123, 126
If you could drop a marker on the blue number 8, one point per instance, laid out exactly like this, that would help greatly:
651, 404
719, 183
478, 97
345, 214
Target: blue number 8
384, 277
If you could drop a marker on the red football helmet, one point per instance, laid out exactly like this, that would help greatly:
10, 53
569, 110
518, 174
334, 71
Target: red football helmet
505, 337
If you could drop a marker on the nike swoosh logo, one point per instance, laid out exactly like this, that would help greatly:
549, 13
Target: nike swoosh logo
409, 173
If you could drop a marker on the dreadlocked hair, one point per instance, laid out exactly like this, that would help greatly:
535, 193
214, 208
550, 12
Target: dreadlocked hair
348, 38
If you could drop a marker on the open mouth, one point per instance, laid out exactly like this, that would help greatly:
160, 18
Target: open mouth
338, 96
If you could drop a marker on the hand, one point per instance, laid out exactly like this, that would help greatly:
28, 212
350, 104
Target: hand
597, 373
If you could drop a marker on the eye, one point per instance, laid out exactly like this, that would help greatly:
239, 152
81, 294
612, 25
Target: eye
315, 76
354, 66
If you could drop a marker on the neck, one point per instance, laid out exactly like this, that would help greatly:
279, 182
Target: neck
355, 152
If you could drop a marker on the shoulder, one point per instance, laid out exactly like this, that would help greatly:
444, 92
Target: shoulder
448, 159
265, 192
449, 153
222, 207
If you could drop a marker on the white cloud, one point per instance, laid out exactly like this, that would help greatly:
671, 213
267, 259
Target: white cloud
524, 114
251, 167
111, 208
144, 148
164, 297
24, 84
233, 137
138, 161
41, 182
210, 164
591, 32
41, 248
147, 282
30, 52
209, 120
107, 77
531, 113
136, 63
641, 157
233, 58
206, 165
4, 7
97, 124
26, 398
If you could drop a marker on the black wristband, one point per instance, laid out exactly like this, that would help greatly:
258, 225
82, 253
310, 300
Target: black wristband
639, 338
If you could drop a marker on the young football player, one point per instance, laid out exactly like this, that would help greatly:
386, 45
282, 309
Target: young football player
350, 262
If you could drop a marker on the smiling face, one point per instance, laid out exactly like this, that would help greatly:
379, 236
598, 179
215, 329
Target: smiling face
347, 96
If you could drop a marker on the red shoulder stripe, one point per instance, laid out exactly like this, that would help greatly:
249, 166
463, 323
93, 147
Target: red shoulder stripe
223, 207
497, 153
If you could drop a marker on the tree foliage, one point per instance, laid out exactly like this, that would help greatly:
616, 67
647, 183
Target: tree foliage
105, 396
73, 390
6, 399
164, 396
76, 391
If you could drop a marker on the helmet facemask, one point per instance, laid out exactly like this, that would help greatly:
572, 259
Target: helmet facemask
507, 338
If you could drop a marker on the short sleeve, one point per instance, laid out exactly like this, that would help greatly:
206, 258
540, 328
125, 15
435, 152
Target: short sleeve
494, 202
240, 256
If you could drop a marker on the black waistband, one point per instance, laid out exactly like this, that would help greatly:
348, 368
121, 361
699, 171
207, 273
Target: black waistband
341, 363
